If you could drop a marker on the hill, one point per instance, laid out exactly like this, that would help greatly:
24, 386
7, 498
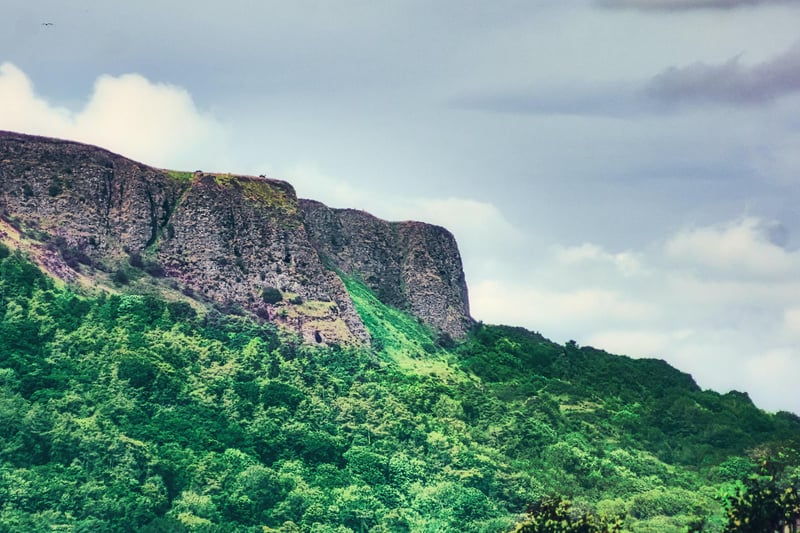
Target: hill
129, 403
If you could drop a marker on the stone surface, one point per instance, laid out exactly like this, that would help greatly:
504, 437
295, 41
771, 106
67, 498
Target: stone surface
225, 239
409, 265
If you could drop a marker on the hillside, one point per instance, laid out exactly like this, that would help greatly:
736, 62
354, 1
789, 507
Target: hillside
131, 400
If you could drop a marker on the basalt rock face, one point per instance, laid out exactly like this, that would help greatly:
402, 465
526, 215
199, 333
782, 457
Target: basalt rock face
89, 200
236, 238
235, 241
408, 265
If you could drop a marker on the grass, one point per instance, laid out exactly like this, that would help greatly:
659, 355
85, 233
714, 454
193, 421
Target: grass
180, 175
269, 193
400, 337
260, 190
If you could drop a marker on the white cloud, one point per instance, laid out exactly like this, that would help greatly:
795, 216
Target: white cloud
791, 322
627, 262
23, 111
772, 378
742, 247
154, 123
719, 302
560, 312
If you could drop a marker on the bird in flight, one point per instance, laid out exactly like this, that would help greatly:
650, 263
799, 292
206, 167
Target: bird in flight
47, 23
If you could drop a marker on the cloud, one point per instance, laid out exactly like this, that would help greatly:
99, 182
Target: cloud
575, 99
626, 262
729, 82
682, 5
155, 123
648, 342
791, 322
547, 309
459, 215
744, 247
29, 112
717, 301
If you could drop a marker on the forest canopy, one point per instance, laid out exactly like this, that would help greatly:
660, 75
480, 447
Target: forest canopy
128, 412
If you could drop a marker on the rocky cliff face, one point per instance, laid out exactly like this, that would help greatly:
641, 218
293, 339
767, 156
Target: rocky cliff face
230, 240
409, 265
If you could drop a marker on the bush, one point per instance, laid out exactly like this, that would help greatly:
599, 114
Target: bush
271, 295
155, 270
121, 277
135, 260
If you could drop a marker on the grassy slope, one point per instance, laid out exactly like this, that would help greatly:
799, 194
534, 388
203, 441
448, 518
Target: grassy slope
401, 338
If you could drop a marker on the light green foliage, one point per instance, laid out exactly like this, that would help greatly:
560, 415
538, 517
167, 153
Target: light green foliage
398, 336
180, 175
128, 413
769, 498
261, 191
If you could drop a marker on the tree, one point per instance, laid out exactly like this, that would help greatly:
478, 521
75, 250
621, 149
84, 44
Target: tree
767, 500
557, 515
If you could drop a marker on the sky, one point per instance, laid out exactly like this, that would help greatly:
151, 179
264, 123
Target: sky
622, 173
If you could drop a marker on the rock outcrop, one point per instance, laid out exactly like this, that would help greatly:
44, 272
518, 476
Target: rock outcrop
409, 265
231, 240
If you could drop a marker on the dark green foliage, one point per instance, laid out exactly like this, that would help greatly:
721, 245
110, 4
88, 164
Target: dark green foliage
271, 295
121, 277
129, 413
55, 188
135, 260
155, 270
768, 499
556, 515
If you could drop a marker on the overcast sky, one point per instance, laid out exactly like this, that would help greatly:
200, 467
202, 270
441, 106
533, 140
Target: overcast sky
624, 173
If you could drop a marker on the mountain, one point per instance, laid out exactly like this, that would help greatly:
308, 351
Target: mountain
232, 240
185, 351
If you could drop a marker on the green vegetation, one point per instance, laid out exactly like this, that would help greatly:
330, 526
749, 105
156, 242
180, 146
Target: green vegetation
400, 338
180, 175
768, 498
130, 413
271, 295
261, 191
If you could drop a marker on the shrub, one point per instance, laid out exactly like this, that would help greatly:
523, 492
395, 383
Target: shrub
135, 260
271, 295
155, 270
121, 277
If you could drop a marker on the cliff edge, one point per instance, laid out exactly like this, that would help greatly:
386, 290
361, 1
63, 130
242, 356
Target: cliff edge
240, 242
412, 266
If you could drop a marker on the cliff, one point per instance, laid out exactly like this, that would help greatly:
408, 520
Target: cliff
234, 241
408, 265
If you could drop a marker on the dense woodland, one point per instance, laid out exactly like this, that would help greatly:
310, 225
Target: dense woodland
127, 412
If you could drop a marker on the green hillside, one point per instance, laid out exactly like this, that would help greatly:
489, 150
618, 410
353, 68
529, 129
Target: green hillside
127, 412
